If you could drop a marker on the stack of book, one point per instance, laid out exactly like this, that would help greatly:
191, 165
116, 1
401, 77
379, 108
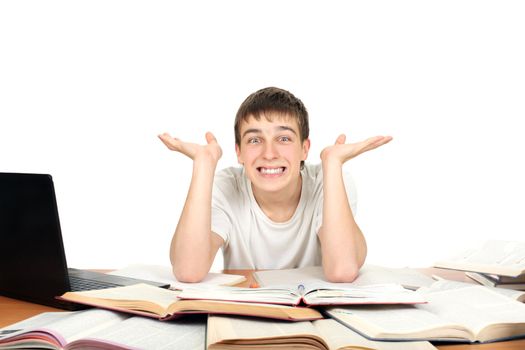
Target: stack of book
499, 281
493, 263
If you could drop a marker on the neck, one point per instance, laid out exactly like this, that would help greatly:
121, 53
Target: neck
279, 206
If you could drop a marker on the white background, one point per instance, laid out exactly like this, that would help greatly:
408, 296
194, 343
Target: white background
86, 86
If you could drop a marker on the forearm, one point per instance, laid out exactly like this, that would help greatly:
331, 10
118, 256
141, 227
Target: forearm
343, 245
191, 246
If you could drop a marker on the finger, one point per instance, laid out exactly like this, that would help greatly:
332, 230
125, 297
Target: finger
340, 139
381, 140
376, 141
170, 142
164, 135
210, 138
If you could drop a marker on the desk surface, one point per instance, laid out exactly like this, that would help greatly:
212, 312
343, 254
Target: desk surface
12, 310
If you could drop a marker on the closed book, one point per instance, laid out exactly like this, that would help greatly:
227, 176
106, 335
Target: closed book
488, 281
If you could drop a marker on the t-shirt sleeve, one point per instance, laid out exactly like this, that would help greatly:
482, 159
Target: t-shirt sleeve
221, 211
220, 224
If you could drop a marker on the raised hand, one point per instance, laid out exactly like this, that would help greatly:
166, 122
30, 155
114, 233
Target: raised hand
341, 151
211, 150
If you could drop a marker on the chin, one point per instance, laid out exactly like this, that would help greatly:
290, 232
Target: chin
272, 185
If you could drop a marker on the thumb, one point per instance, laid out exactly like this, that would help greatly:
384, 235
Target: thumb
210, 138
340, 139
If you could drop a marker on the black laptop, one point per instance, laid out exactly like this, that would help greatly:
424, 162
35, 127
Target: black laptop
32, 260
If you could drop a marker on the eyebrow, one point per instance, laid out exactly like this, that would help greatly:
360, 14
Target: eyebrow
257, 131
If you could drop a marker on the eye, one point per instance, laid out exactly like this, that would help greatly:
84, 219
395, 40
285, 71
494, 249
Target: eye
254, 140
284, 139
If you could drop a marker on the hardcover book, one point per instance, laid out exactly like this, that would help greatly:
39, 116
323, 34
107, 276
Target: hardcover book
164, 304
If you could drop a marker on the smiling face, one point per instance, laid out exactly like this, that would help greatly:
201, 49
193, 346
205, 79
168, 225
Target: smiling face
271, 151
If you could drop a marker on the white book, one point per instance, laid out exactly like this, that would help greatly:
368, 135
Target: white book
164, 274
505, 258
454, 312
102, 329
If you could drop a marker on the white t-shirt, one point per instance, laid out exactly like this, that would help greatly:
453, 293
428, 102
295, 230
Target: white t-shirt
252, 240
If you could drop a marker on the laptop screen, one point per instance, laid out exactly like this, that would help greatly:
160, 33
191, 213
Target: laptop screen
32, 260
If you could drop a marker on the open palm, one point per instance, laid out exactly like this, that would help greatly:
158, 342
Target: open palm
343, 152
211, 150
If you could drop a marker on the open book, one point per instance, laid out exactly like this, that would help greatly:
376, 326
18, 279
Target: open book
368, 274
102, 329
510, 293
454, 312
310, 294
230, 333
164, 304
505, 258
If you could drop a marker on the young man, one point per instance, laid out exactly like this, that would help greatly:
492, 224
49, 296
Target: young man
274, 212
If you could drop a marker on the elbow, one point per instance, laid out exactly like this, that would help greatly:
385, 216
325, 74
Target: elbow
188, 275
342, 274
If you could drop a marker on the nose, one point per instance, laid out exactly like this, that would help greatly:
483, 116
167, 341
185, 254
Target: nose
270, 151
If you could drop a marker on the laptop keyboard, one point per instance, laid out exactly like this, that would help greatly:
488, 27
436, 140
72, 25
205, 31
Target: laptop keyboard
79, 284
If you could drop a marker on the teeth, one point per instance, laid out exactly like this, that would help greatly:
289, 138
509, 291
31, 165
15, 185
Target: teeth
272, 171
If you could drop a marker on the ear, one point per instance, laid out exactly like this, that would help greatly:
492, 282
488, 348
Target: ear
306, 148
238, 151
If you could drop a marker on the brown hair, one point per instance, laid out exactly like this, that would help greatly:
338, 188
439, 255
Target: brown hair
272, 99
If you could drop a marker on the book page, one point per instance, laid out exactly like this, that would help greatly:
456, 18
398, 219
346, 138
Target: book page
289, 277
146, 333
471, 312
513, 294
31, 323
67, 326
24, 330
160, 296
83, 323
274, 295
505, 258
338, 336
313, 292
164, 274
397, 322
325, 293
260, 332
368, 274
476, 307
146, 299
407, 277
